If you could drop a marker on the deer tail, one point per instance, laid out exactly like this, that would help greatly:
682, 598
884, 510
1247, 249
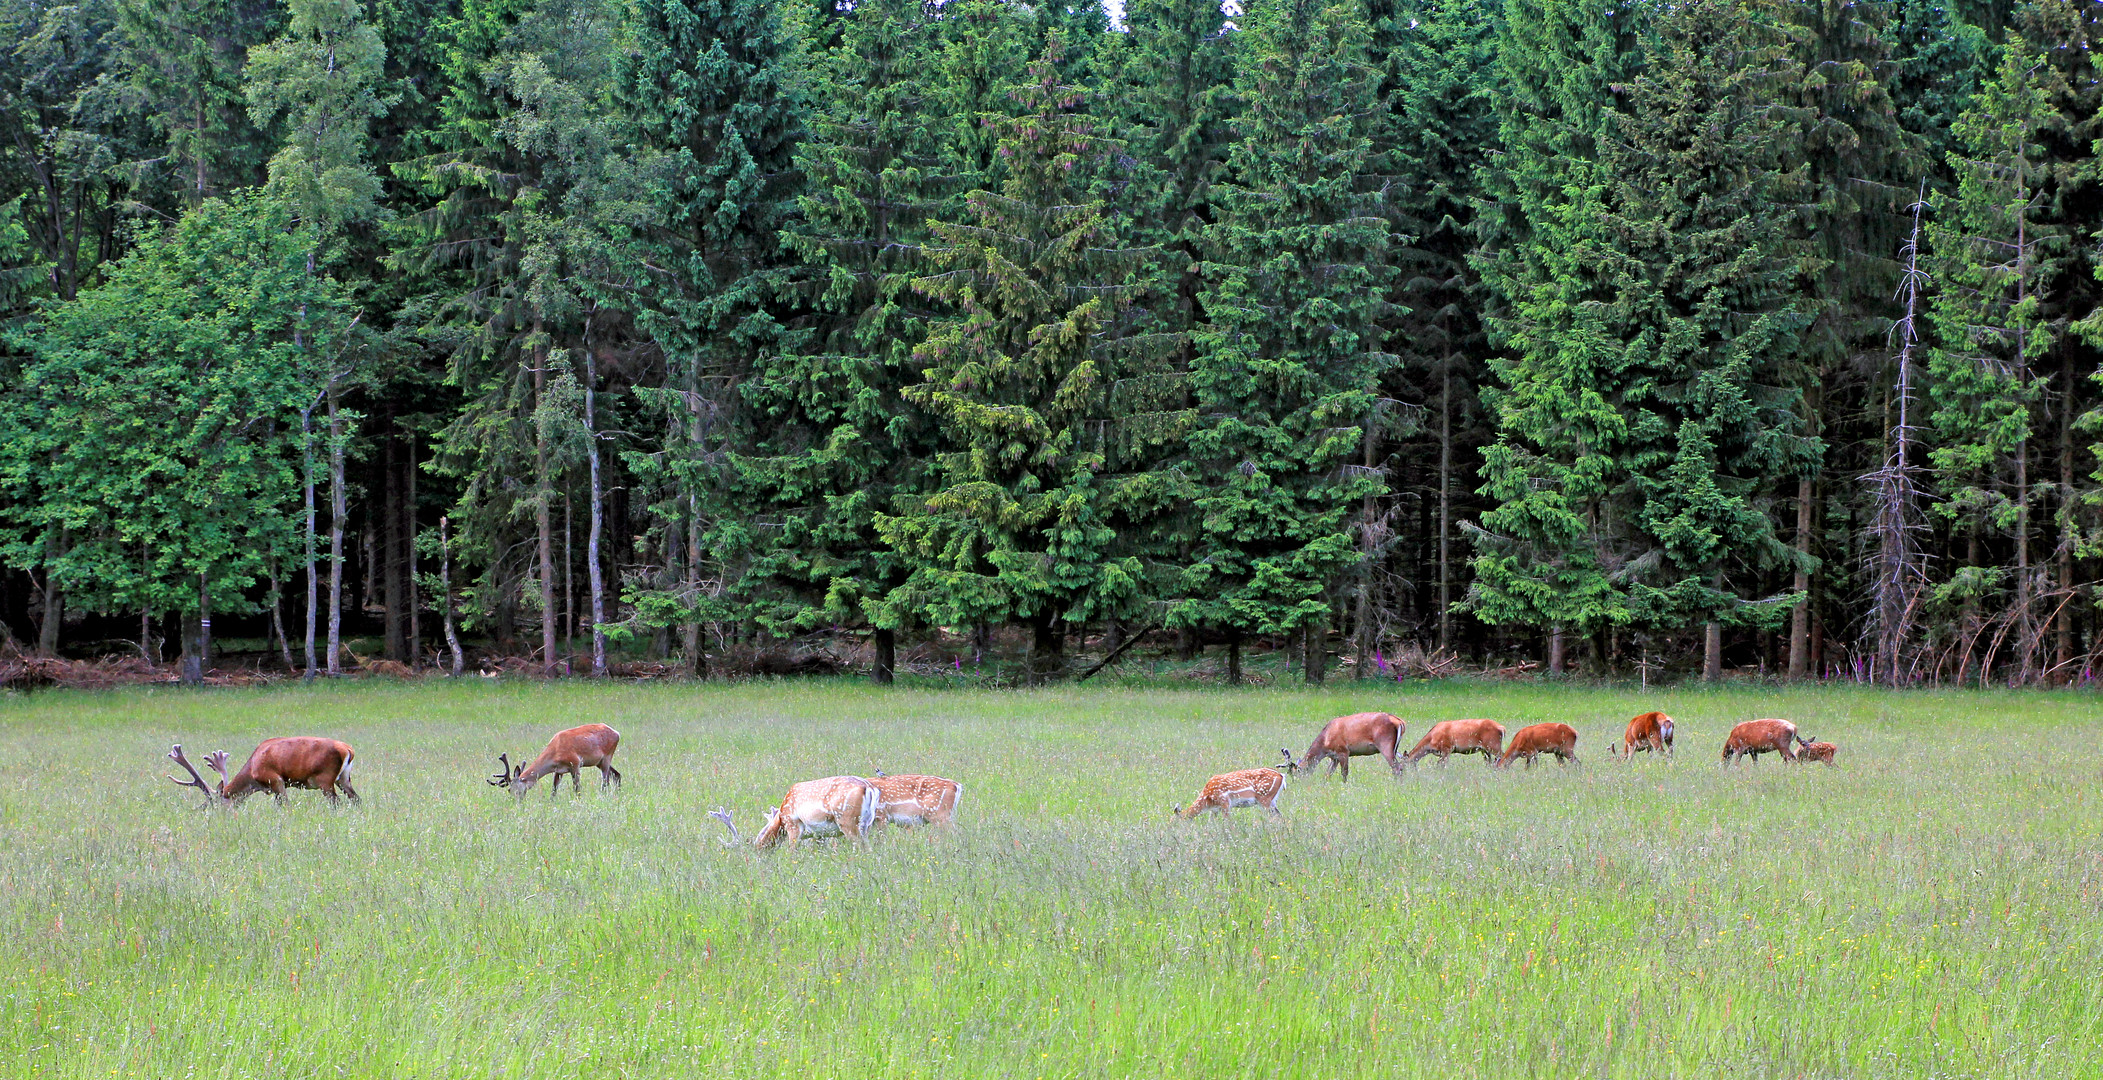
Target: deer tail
869, 800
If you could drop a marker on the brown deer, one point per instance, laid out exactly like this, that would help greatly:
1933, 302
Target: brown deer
1448, 737
916, 800
1242, 787
1352, 736
831, 806
1755, 737
1817, 751
1650, 731
567, 753
300, 761
1534, 740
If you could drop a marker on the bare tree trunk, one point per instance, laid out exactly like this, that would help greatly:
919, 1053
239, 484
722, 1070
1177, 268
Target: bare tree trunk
886, 642
394, 560
1314, 652
696, 640
415, 588
306, 453
277, 615
445, 585
1234, 657
196, 635
54, 601
1555, 650
591, 544
1712, 651
1800, 618
569, 583
1445, 506
2063, 622
338, 511
1047, 641
543, 524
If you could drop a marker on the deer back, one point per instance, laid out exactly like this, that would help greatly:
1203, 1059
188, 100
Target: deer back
297, 760
588, 745
932, 799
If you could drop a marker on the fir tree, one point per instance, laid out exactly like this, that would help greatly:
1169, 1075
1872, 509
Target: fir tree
1290, 364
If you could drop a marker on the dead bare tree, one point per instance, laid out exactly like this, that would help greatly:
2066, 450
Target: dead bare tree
1896, 563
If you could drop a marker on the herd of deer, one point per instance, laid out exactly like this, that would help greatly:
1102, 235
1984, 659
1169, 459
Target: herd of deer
1363, 734
853, 806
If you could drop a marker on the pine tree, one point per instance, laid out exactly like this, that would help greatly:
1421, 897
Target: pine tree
710, 88
1290, 364
1992, 257
1036, 480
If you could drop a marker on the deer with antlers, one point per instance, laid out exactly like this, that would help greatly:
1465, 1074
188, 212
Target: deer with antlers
1242, 787
830, 806
911, 800
566, 754
300, 761
1647, 731
1356, 735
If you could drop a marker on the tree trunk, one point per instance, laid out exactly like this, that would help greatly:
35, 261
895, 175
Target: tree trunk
414, 588
1555, 650
2063, 622
1712, 651
543, 524
2025, 593
277, 615
591, 544
306, 453
197, 631
338, 510
1445, 507
1047, 642
1314, 652
696, 642
1800, 618
886, 656
54, 597
445, 585
1187, 643
394, 556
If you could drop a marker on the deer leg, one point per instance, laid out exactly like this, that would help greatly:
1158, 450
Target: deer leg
608, 774
1343, 765
554, 785
277, 790
577, 781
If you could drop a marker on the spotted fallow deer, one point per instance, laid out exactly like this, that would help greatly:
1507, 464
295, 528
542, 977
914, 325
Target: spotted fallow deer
300, 761
567, 753
916, 800
1817, 751
1649, 731
1242, 787
831, 806
1534, 740
1448, 737
1352, 736
1755, 737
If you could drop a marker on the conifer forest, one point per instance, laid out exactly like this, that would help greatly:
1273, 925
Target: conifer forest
1631, 339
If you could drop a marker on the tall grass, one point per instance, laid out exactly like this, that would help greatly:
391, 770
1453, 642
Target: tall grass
1931, 908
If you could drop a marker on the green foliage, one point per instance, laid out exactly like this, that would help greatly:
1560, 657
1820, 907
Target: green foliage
155, 421
1289, 367
320, 79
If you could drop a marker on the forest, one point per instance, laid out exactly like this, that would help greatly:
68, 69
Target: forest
1615, 338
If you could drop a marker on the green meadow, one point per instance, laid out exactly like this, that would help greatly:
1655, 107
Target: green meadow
1932, 907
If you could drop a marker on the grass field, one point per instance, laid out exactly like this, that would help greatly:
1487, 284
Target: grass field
1933, 907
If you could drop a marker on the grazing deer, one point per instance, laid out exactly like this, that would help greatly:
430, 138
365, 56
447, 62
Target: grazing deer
1448, 737
1650, 731
1755, 737
1352, 736
567, 753
1242, 787
1817, 751
301, 761
1534, 740
916, 800
832, 806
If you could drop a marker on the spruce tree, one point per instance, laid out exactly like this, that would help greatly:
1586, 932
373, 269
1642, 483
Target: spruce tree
1036, 482
1289, 365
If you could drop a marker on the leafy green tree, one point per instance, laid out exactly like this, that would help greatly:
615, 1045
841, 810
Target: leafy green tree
1290, 364
1036, 483
155, 420
181, 67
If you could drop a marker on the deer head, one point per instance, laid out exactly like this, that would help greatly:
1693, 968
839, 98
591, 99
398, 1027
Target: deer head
1287, 766
216, 760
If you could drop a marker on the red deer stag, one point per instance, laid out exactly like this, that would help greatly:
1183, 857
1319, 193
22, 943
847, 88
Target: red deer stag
1356, 735
1448, 737
1650, 731
832, 806
1242, 787
1817, 751
916, 800
301, 761
567, 753
1755, 737
1534, 740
